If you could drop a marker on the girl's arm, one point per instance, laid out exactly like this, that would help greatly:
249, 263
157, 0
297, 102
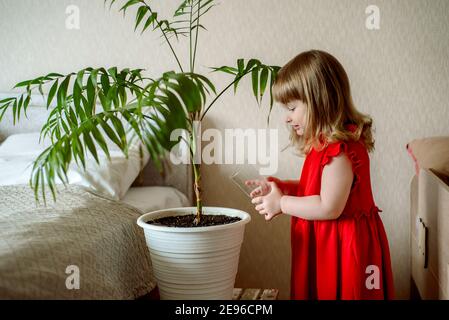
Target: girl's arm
336, 182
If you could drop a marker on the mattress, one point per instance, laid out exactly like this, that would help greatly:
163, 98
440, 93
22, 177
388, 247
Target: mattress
80, 247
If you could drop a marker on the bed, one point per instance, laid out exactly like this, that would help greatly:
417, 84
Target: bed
429, 219
86, 245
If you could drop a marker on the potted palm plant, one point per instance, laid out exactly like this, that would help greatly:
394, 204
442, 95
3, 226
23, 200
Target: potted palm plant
194, 250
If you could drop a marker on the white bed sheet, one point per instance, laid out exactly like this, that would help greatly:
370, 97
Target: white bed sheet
148, 199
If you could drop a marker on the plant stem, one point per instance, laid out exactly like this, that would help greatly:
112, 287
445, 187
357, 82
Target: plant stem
197, 173
190, 40
223, 91
197, 186
196, 35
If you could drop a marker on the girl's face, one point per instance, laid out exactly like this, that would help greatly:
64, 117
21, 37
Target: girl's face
296, 116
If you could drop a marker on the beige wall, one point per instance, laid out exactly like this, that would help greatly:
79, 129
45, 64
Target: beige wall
399, 75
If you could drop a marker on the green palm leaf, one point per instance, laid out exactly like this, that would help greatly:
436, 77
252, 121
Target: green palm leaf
260, 73
87, 117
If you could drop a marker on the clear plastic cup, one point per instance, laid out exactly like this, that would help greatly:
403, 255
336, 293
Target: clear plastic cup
249, 172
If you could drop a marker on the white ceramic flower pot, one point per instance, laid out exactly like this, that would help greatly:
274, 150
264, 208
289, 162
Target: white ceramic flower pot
195, 263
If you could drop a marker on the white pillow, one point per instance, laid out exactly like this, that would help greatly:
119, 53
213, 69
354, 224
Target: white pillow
111, 179
23, 144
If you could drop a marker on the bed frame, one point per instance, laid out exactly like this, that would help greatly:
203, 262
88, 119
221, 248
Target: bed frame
178, 176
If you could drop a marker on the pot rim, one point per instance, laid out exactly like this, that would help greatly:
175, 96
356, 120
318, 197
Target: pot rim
142, 220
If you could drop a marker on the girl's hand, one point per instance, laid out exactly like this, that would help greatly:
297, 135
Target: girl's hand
269, 205
263, 188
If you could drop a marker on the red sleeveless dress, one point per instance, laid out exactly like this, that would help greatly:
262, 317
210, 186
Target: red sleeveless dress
346, 258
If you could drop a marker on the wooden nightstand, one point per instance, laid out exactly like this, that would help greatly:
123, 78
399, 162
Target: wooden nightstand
254, 294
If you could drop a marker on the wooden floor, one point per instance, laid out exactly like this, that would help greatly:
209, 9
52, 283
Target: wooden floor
238, 294
255, 294
153, 295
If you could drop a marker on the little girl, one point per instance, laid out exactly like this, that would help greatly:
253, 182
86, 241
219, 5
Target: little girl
339, 246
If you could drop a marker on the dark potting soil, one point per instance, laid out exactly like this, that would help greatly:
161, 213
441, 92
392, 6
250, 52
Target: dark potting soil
186, 221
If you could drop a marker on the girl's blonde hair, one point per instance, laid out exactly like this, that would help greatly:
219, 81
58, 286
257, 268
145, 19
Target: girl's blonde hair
318, 80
